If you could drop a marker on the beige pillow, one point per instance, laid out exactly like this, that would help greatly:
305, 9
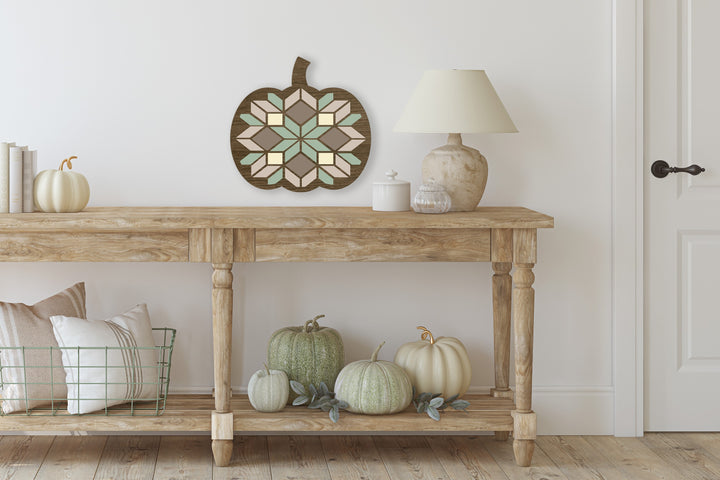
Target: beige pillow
29, 326
99, 377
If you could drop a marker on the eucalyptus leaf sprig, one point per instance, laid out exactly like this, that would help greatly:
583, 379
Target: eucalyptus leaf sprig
318, 397
434, 403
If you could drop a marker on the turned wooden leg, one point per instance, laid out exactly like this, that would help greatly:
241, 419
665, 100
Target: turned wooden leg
222, 417
523, 304
502, 297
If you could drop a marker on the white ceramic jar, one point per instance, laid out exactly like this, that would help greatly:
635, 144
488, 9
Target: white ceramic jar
391, 195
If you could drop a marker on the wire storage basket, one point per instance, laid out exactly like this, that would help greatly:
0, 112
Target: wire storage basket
52, 404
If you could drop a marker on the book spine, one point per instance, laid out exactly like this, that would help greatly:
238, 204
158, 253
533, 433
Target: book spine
29, 166
16, 179
5, 176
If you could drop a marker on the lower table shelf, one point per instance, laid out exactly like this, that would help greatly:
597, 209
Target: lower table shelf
188, 413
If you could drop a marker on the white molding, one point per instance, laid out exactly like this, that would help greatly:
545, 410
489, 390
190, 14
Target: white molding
627, 216
562, 410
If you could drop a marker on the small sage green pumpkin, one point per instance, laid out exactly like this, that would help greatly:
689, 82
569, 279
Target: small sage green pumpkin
308, 354
268, 390
374, 387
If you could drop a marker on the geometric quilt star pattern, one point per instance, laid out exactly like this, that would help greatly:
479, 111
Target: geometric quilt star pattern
300, 138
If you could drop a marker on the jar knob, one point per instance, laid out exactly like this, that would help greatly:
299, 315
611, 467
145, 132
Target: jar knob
391, 174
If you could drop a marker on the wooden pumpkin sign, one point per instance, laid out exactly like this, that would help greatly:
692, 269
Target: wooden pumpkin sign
300, 138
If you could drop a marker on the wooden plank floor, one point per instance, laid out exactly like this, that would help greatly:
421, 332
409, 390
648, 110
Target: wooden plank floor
666, 456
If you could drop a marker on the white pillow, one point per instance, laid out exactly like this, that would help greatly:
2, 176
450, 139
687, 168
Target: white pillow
131, 373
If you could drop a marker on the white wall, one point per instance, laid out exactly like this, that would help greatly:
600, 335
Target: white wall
144, 93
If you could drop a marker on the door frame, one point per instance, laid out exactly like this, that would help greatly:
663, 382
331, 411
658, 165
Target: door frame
627, 173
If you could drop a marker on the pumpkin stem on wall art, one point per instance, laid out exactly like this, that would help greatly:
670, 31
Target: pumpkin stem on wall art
300, 138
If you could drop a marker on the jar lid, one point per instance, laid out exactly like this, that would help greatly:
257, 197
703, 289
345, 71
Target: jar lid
391, 174
431, 187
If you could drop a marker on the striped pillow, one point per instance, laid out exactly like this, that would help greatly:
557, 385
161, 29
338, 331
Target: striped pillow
98, 378
27, 375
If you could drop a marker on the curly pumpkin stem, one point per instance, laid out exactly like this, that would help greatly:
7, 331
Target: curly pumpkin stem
426, 334
67, 161
315, 325
375, 353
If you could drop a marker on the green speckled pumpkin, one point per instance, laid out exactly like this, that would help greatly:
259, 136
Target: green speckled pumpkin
374, 387
307, 354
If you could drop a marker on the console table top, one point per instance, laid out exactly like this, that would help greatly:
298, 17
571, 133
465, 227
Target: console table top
168, 218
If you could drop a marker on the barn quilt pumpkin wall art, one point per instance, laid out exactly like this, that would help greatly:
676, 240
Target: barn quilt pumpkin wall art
300, 138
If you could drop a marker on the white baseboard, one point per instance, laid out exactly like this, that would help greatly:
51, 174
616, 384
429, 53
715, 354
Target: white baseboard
572, 410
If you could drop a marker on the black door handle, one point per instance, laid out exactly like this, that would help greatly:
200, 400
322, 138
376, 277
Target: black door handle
660, 169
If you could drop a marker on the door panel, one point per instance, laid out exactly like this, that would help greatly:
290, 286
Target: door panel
682, 215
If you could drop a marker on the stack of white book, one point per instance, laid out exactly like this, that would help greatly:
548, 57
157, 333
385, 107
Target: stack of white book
17, 175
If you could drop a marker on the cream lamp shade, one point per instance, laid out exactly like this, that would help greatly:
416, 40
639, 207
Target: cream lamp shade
455, 102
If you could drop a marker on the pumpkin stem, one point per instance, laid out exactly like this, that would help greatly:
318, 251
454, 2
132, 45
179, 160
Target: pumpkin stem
299, 73
67, 161
375, 353
315, 325
267, 369
426, 334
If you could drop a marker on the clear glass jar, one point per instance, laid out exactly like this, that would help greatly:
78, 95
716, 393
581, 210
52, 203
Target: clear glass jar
432, 198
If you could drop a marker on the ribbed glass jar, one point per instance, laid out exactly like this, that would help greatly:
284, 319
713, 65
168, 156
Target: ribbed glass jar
431, 198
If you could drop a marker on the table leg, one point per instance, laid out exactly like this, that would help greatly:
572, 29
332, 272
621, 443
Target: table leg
502, 296
222, 417
523, 305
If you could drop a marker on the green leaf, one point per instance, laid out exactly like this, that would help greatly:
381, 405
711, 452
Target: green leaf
297, 387
433, 413
342, 404
424, 397
421, 407
460, 404
436, 402
325, 100
250, 119
275, 100
452, 399
323, 388
334, 414
301, 400
350, 119
313, 390
436, 395
326, 407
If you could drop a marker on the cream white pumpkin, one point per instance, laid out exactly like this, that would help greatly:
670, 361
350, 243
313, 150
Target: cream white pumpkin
60, 191
374, 387
268, 390
436, 365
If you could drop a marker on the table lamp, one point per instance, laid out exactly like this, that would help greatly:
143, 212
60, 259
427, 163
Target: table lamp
455, 102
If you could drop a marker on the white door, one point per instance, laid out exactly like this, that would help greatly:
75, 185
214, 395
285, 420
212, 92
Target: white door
682, 216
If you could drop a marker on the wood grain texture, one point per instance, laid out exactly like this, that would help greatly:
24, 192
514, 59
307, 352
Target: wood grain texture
409, 457
523, 306
222, 245
128, 458
244, 245
73, 457
222, 308
21, 456
678, 450
501, 242
353, 458
376, 245
634, 458
183, 458
67, 246
502, 301
182, 218
299, 458
200, 245
542, 466
577, 459
525, 245
465, 458
250, 460
185, 413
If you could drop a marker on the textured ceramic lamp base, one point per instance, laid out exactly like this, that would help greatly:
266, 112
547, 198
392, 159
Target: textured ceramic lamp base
462, 170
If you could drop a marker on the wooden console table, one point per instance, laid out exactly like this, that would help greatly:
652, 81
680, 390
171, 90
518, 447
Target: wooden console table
505, 236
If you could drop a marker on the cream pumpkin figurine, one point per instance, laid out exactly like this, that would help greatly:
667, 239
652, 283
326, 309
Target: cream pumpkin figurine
268, 390
59, 191
436, 365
